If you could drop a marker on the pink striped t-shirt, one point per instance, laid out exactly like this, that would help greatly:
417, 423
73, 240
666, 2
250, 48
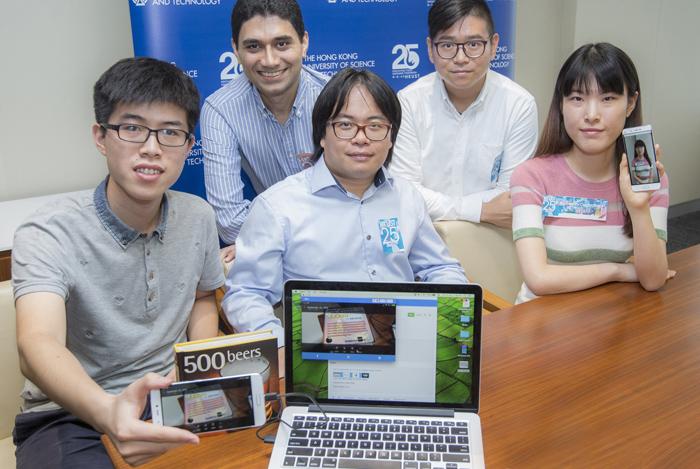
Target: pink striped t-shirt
571, 240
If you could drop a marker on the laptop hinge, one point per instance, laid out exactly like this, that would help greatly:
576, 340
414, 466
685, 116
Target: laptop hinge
354, 409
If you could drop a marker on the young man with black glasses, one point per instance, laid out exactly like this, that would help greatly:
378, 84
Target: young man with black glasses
465, 128
344, 218
261, 120
106, 283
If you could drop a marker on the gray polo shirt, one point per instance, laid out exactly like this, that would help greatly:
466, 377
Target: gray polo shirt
128, 295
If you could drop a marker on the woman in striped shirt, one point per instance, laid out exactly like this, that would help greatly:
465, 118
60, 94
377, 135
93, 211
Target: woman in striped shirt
576, 220
641, 164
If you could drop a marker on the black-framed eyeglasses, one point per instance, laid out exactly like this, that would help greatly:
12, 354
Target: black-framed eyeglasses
473, 49
347, 130
136, 133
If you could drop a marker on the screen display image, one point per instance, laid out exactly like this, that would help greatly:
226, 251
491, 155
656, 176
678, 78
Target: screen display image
641, 158
405, 347
347, 329
202, 407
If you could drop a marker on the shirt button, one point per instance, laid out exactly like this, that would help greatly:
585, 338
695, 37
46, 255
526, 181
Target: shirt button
151, 296
150, 275
374, 272
148, 252
369, 237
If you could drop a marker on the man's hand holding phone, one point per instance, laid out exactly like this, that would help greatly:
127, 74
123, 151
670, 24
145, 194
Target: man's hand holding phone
211, 405
138, 441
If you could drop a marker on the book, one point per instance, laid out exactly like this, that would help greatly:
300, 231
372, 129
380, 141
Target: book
230, 355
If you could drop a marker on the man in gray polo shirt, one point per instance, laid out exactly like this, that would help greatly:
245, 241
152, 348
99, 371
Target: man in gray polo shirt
105, 284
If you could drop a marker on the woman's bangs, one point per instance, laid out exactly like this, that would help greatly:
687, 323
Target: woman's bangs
594, 72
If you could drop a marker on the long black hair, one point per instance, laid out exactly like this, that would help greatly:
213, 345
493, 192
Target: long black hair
641, 144
600, 65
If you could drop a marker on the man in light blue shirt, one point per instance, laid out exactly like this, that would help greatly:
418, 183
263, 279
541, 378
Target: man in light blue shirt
345, 218
260, 121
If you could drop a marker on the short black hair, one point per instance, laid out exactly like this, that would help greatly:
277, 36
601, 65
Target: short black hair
144, 80
335, 94
285, 9
444, 13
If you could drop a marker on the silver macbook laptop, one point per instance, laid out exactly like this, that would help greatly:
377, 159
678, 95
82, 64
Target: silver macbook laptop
395, 368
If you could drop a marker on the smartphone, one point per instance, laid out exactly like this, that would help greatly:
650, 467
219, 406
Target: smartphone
211, 405
641, 158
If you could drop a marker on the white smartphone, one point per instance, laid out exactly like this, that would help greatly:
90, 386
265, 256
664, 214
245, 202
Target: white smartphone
211, 405
641, 158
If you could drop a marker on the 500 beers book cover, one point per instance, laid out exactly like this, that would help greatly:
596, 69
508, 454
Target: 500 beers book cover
230, 355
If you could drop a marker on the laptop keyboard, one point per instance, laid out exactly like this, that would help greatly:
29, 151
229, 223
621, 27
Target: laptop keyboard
377, 443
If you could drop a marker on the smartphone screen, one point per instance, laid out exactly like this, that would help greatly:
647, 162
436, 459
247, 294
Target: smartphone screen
209, 405
641, 158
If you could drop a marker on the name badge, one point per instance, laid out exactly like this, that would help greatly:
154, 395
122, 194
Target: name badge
581, 208
390, 235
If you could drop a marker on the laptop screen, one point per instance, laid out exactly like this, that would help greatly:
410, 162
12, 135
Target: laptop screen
409, 344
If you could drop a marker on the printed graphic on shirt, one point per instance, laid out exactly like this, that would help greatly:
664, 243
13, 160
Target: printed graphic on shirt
305, 159
581, 208
496, 168
390, 235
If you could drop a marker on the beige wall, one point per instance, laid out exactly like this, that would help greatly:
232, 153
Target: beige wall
663, 39
544, 37
53, 52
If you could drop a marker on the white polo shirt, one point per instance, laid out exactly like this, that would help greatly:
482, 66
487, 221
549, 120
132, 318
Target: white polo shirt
458, 161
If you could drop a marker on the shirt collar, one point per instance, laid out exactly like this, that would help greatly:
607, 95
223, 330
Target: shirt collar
298, 99
321, 178
120, 231
301, 93
477, 102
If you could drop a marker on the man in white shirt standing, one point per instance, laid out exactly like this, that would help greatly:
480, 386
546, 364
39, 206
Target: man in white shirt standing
464, 128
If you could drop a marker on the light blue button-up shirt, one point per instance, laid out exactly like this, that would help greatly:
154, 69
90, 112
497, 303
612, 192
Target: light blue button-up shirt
239, 131
309, 227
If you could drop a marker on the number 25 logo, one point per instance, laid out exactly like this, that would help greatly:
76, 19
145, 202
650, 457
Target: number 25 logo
408, 58
232, 67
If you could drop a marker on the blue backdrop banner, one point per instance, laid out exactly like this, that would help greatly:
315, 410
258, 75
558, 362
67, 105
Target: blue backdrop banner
385, 36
